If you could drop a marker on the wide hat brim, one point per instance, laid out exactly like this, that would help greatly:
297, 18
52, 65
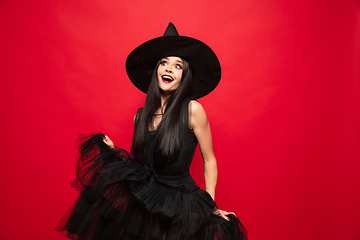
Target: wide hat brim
205, 65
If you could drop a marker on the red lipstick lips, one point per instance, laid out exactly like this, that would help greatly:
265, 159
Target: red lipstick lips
167, 78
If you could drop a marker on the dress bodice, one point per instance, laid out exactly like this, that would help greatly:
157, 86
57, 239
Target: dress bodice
179, 167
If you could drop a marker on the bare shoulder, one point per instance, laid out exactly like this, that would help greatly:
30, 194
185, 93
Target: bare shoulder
196, 108
197, 114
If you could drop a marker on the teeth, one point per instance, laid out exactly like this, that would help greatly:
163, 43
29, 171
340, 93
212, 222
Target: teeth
167, 78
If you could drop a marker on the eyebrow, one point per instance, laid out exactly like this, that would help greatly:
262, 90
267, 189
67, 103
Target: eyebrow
176, 60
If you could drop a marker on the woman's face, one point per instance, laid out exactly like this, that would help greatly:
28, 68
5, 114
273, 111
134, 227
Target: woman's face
169, 73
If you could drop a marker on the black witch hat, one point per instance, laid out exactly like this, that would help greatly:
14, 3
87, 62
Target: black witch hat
205, 65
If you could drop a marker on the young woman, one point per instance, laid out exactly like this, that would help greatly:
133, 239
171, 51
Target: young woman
149, 194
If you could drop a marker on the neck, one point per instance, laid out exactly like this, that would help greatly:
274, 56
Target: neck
164, 97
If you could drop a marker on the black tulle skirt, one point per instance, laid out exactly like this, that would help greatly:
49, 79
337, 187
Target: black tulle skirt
122, 199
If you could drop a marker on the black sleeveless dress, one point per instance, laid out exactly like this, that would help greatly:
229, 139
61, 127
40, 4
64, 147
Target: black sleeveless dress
122, 198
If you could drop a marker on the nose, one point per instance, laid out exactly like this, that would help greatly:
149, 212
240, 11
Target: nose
168, 68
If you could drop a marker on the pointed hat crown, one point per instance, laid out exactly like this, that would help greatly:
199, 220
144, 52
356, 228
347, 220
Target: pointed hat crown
171, 30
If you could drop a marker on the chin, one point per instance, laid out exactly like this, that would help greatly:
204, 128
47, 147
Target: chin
167, 88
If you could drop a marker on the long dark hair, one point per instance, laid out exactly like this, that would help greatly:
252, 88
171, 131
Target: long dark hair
167, 140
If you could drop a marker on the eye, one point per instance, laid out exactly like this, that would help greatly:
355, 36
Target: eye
163, 62
178, 66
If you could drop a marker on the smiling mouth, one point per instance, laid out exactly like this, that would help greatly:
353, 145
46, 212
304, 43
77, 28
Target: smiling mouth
167, 78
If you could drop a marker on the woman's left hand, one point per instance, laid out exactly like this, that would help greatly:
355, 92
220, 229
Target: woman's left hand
223, 214
108, 141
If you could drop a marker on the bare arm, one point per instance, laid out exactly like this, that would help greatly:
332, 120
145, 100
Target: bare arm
200, 125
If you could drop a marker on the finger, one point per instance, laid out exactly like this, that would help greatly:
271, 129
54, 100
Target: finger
107, 141
225, 217
225, 212
232, 213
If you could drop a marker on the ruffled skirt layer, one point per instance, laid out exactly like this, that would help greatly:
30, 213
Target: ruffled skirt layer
122, 199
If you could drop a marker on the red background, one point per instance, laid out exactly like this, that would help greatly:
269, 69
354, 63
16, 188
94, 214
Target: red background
285, 118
